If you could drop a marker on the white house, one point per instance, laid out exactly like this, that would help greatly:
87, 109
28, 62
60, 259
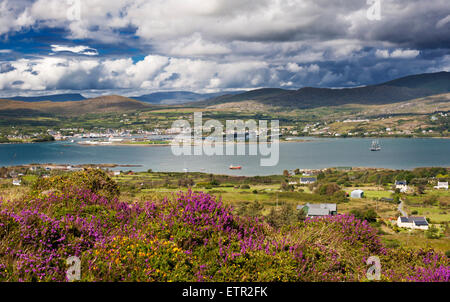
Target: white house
357, 194
17, 182
116, 173
401, 185
420, 223
442, 185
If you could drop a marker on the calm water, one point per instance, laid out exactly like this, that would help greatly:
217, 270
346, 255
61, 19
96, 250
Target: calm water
397, 153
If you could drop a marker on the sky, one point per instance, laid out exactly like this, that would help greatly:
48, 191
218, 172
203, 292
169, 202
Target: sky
133, 47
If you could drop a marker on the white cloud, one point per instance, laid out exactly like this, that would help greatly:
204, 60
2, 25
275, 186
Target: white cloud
215, 44
196, 46
397, 54
79, 49
294, 67
444, 21
153, 72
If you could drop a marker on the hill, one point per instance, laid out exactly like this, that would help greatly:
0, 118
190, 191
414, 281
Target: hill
103, 104
399, 90
178, 97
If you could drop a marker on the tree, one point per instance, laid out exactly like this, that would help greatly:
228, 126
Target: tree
287, 187
421, 189
327, 189
214, 183
433, 233
285, 215
370, 215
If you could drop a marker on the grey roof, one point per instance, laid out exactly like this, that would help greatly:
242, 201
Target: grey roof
404, 219
419, 221
318, 212
319, 209
329, 206
400, 182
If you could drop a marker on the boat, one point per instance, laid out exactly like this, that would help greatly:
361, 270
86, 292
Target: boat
235, 167
375, 146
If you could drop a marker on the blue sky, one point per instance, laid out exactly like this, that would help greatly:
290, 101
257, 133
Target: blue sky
134, 47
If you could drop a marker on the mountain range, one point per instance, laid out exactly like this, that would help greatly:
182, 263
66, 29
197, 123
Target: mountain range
102, 104
399, 90
165, 98
395, 91
178, 97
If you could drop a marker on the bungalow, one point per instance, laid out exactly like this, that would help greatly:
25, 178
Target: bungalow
401, 185
116, 173
307, 180
442, 185
357, 194
17, 182
412, 222
317, 210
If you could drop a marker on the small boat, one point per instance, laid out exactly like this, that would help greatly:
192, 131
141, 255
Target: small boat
375, 146
235, 167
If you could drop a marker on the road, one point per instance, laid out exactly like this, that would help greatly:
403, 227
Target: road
400, 209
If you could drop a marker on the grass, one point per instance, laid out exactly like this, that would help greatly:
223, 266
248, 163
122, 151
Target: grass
436, 214
418, 240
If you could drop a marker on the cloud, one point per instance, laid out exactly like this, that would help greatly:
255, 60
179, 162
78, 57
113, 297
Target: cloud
153, 72
217, 44
294, 67
196, 46
443, 22
80, 49
397, 54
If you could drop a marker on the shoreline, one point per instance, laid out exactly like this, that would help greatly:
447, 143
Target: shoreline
280, 141
75, 167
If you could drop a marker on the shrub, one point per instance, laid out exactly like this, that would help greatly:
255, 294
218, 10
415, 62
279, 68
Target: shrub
327, 189
94, 180
433, 233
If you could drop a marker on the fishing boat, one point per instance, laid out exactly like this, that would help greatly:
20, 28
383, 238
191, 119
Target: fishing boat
235, 167
375, 146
